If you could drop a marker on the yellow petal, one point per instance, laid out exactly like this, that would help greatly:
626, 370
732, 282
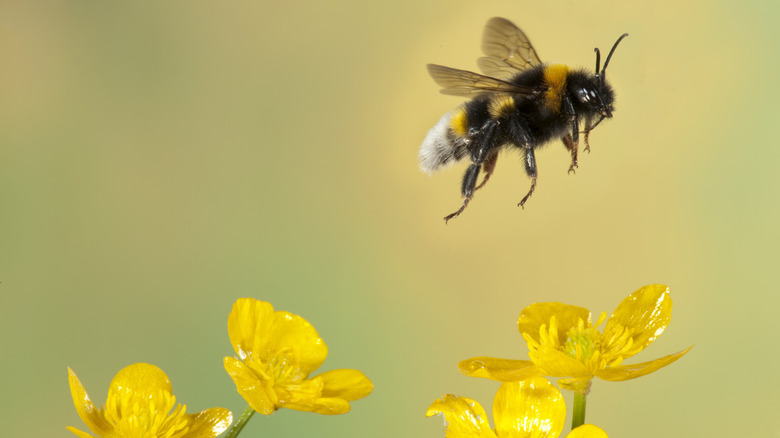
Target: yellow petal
328, 394
79, 433
503, 370
529, 408
257, 393
209, 423
303, 393
87, 411
255, 329
324, 406
553, 362
646, 313
587, 431
627, 372
248, 323
345, 384
463, 417
136, 384
534, 316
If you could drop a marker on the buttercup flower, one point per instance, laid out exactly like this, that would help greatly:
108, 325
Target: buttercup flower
528, 408
140, 405
562, 342
277, 351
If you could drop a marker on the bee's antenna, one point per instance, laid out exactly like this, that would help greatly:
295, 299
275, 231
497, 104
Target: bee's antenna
595, 124
598, 60
603, 71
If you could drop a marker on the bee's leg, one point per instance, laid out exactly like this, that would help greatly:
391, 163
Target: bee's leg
568, 108
488, 166
467, 188
530, 169
571, 141
521, 137
479, 155
572, 147
588, 128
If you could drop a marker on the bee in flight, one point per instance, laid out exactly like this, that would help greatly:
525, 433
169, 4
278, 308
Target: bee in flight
518, 102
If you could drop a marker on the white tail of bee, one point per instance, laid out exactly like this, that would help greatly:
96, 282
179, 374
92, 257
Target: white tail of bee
438, 150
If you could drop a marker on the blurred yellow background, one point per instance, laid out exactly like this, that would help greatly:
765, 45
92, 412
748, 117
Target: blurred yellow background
159, 160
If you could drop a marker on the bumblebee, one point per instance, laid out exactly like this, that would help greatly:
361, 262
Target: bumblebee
519, 102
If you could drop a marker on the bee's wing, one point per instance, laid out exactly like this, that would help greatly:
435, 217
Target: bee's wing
507, 48
469, 84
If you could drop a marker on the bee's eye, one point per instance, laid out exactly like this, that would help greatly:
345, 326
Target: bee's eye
586, 96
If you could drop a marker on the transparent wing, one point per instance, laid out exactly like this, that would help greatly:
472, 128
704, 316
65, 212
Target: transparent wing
507, 48
469, 84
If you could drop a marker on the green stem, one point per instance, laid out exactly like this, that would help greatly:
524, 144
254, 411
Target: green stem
235, 429
578, 413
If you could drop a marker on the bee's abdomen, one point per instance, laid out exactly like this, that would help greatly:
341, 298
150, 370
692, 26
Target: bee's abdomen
446, 142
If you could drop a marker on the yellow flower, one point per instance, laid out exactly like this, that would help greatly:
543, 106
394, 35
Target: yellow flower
562, 342
277, 351
140, 405
528, 408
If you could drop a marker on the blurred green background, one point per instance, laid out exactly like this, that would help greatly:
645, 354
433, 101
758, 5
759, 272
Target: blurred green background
159, 159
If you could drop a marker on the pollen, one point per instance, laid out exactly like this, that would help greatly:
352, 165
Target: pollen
555, 77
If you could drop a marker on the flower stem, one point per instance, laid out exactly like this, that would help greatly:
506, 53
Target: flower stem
578, 413
236, 428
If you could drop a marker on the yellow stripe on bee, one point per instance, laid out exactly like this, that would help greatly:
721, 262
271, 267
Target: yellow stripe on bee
460, 123
555, 77
500, 106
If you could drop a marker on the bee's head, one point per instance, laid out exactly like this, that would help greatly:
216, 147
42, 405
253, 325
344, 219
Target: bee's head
600, 96
592, 97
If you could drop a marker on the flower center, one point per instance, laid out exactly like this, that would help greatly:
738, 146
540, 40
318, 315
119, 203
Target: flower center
146, 417
583, 343
580, 345
279, 370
